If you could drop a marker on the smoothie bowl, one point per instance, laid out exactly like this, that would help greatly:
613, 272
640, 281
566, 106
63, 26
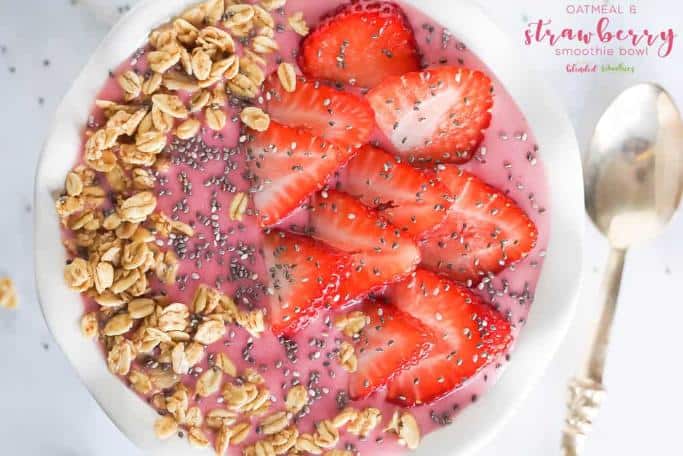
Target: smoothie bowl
295, 227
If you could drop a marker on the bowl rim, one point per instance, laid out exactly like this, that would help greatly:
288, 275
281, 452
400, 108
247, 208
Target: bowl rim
553, 308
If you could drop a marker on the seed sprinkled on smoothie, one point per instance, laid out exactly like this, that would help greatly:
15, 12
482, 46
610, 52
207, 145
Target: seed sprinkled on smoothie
249, 244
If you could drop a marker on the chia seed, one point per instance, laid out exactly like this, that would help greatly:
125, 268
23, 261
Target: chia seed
342, 399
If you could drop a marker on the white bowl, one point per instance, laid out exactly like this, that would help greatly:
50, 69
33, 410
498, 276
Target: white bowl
555, 296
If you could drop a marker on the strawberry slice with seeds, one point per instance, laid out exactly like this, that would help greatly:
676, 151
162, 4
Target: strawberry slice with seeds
409, 198
361, 44
485, 231
286, 166
392, 342
302, 274
326, 112
470, 335
437, 115
379, 254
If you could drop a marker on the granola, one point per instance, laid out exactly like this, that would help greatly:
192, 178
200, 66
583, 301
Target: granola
287, 76
8, 294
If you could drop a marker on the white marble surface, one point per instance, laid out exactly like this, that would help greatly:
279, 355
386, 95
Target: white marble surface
45, 411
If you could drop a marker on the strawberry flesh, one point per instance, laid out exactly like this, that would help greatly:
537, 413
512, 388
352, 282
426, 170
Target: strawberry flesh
379, 254
326, 112
470, 335
436, 115
303, 274
361, 44
392, 342
286, 166
485, 231
409, 198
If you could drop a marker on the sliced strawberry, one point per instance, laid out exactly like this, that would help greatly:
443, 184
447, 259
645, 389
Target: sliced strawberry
286, 166
407, 197
337, 116
379, 255
485, 231
470, 336
436, 115
392, 342
361, 44
302, 274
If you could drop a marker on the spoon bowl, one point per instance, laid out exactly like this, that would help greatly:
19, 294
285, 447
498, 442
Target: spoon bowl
634, 167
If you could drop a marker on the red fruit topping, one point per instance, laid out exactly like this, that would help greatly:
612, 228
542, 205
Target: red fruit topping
303, 274
392, 342
361, 44
287, 165
437, 115
470, 335
379, 255
406, 196
326, 112
484, 233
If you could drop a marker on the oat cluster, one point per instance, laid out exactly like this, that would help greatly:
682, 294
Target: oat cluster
8, 294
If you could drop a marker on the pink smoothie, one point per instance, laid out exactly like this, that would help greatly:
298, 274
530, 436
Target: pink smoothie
208, 171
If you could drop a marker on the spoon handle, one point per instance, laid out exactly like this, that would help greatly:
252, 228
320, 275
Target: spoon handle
586, 392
